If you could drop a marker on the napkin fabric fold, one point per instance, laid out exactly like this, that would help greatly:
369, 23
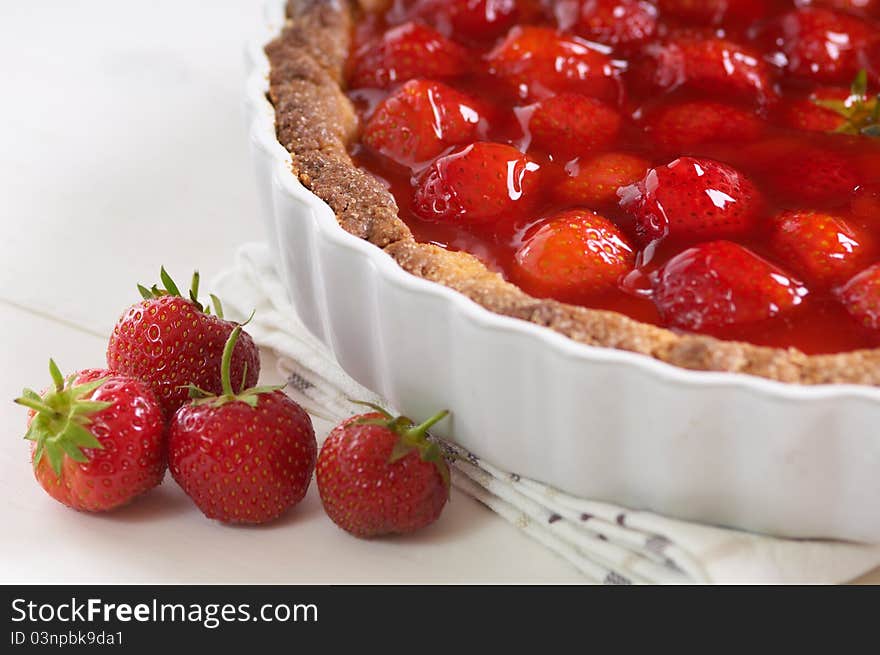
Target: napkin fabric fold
605, 543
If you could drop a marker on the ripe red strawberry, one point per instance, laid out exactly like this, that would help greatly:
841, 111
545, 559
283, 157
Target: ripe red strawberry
574, 254
692, 198
594, 182
243, 457
821, 247
807, 114
716, 66
678, 127
715, 11
405, 52
721, 283
98, 439
482, 183
170, 342
421, 120
621, 23
572, 124
822, 45
379, 475
538, 62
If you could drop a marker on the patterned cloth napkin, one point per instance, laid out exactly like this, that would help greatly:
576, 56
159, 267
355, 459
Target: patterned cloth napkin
607, 544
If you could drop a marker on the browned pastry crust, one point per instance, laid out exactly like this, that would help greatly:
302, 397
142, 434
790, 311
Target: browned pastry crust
316, 122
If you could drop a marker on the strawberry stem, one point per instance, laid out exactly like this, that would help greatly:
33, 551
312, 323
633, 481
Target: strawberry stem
55, 372
226, 362
37, 406
418, 432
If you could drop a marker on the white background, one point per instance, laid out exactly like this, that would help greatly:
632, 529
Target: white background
122, 148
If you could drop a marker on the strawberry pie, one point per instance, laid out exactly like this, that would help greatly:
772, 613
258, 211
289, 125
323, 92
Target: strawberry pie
695, 181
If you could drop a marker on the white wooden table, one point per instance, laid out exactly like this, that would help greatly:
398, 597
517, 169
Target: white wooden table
122, 149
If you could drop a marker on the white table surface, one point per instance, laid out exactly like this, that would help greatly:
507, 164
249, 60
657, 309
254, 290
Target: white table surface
122, 148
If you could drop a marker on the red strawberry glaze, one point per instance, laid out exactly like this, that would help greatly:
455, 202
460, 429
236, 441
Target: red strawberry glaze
578, 109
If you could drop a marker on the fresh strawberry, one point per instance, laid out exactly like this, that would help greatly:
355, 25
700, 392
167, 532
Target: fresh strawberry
244, 457
405, 52
692, 198
821, 247
721, 283
421, 120
572, 255
715, 11
681, 126
538, 62
572, 124
481, 183
379, 475
98, 438
619, 23
716, 66
822, 45
594, 182
169, 342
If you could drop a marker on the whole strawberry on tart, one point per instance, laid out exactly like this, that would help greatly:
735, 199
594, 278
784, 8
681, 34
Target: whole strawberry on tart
655, 176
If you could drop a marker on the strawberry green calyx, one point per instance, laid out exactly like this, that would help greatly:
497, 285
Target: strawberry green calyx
61, 419
170, 288
411, 437
250, 396
861, 113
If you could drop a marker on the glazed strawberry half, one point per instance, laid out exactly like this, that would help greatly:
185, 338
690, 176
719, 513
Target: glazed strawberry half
574, 254
822, 45
171, 342
860, 296
378, 474
403, 53
421, 120
714, 12
480, 184
720, 283
244, 456
538, 62
803, 173
593, 182
572, 124
475, 19
824, 248
720, 67
675, 128
619, 23
692, 198
98, 438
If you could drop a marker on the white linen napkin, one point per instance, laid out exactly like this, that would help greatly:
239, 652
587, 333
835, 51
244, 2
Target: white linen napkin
607, 544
